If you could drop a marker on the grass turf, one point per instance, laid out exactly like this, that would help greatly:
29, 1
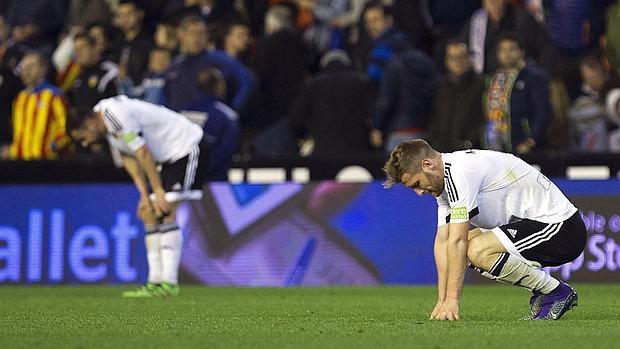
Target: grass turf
388, 317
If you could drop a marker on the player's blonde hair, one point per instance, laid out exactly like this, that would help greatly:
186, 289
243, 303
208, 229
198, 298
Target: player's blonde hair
406, 157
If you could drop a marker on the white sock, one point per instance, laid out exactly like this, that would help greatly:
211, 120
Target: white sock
509, 269
171, 244
153, 256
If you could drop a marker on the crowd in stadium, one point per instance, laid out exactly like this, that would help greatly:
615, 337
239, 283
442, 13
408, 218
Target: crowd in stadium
322, 78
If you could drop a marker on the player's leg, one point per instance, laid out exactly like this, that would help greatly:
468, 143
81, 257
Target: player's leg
171, 246
182, 181
152, 287
486, 252
555, 245
491, 258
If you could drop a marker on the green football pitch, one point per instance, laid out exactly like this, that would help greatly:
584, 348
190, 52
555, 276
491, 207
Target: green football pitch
383, 317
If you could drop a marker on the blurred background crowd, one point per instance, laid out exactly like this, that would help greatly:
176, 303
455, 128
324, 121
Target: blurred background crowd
319, 78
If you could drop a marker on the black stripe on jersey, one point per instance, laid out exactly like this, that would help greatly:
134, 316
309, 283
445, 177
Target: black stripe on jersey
473, 213
113, 120
448, 218
453, 194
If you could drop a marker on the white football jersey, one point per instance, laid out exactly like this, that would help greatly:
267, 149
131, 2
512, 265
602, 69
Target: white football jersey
132, 123
490, 189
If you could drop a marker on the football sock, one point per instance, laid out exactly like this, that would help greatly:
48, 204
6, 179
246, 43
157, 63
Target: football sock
509, 269
171, 244
153, 255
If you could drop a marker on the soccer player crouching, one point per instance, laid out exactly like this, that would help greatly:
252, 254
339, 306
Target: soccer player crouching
523, 222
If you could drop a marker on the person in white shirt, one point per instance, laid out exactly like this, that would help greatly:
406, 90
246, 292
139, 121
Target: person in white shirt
166, 155
522, 222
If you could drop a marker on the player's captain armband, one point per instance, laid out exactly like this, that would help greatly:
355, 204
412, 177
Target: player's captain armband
459, 213
130, 137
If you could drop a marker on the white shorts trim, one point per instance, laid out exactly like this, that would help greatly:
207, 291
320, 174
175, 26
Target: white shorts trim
176, 196
510, 247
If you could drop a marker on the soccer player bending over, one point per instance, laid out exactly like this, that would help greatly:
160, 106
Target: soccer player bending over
523, 222
148, 136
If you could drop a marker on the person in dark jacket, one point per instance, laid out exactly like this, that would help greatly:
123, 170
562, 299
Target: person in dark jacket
333, 111
97, 79
280, 65
388, 40
219, 122
495, 17
181, 89
404, 100
457, 107
134, 44
518, 109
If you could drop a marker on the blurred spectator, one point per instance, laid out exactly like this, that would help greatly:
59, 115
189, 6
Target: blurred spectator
347, 22
301, 10
166, 37
414, 19
211, 11
82, 12
612, 102
448, 18
387, 39
569, 28
517, 102
101, 33
280, 65
332, 114
97, 77
37, 22
64, 61
4, 37
495, 17
152, 85
404, 100
39, 115
457, 107
219, 122
612, 45
236, 40
322, 34
132, 48
181, 89
588, 113
10, 85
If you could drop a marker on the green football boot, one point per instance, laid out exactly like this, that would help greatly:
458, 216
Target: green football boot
148, 290
168, 289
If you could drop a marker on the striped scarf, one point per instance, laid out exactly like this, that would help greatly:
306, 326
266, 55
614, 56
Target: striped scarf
497, 128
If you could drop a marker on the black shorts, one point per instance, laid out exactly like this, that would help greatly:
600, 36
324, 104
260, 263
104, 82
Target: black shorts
183, 179
548, 244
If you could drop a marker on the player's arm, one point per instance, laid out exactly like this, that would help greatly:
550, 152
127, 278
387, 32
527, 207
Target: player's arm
147, 164
137, 175
457, 261
441, 261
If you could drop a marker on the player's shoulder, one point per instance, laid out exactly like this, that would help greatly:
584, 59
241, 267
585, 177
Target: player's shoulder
474, 158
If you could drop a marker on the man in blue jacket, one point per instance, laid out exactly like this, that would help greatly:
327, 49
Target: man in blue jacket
181, 89
219, 122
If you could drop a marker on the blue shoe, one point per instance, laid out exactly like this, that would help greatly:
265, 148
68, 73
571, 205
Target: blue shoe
535, 302
558, 302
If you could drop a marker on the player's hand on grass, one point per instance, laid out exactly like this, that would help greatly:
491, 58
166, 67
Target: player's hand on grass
161, 206
436, 310
449, 311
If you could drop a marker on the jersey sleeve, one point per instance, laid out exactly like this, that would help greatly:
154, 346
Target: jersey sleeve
462, 188
443, 211
123, 126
